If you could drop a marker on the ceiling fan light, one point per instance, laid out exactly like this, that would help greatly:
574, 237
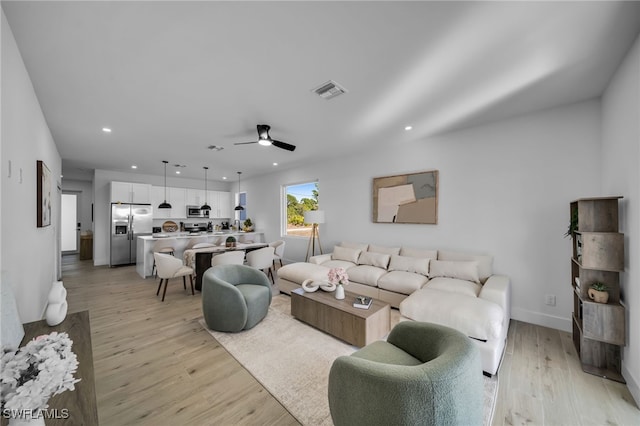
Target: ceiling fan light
264, 142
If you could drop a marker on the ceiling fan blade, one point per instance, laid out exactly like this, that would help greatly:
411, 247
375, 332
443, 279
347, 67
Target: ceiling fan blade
283, 145
244, 143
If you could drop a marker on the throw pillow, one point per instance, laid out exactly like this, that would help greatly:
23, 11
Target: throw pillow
357, 246
343, 253
384, 250
452, 269
484, 261
374, 259
412, 252
409, 264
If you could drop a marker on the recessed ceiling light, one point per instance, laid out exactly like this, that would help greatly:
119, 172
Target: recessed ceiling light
275, 164
177, 172
224, 178
134, 167
106, 130
407, 128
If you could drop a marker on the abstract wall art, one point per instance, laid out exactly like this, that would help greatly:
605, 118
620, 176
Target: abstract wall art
408, 198
43, 195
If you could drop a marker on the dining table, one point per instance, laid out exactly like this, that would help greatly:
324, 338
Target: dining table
200, 258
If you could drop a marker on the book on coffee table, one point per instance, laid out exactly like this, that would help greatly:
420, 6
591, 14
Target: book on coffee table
362, 302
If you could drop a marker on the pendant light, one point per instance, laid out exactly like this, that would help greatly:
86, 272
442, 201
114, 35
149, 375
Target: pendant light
205, 206
165, 205
239, 207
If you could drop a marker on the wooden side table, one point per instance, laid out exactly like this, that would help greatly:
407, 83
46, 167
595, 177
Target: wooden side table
80, 404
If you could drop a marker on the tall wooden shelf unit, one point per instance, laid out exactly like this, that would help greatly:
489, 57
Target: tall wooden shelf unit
598, 255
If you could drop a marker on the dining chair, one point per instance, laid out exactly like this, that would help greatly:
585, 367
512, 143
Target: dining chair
161, 246
262, 259
228, 258
171, 267
278, 247
196, 241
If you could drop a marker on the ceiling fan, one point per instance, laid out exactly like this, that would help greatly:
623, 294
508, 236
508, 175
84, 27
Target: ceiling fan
265, 139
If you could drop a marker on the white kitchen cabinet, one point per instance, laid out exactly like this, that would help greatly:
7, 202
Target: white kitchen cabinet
175, 196
224, 205
128, 192
195, 197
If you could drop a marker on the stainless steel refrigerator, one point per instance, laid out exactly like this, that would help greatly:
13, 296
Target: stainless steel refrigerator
128, 222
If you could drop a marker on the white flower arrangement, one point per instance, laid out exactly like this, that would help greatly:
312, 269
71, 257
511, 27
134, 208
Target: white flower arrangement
338, 276
37, 371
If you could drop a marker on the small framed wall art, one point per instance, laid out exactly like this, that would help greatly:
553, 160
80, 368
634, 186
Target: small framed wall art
408, 198
43, 194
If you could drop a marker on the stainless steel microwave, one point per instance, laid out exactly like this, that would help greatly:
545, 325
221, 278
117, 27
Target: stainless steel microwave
194, 211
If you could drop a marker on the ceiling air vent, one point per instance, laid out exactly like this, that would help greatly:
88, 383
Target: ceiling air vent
329, 90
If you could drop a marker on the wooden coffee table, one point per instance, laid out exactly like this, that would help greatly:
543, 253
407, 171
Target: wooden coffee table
339, 318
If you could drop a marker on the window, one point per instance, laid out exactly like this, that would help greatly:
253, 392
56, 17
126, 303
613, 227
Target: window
298, 198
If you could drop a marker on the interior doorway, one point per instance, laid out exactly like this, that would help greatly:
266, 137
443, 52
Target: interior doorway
69, 227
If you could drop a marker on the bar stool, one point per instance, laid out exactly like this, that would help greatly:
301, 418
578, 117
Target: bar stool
160, 246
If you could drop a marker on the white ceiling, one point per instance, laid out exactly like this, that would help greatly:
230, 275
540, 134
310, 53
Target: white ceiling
171, 78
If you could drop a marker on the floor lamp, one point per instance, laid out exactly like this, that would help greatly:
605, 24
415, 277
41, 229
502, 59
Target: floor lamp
314, 217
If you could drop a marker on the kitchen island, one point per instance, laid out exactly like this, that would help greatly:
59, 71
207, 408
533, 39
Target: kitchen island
180, 240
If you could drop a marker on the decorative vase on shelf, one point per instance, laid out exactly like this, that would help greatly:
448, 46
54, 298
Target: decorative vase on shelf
598, 296
340, 291
57, 307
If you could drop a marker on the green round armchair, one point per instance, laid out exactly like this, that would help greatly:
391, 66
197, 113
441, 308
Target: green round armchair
234, 297
424, 374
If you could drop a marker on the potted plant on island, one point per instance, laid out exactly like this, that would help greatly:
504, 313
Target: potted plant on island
598, 292
247, 225
231, 241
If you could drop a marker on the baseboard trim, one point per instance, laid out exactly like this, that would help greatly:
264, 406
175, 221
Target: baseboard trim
632, 384
539, 318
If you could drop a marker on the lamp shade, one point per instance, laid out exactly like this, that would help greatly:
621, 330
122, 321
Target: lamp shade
314, 216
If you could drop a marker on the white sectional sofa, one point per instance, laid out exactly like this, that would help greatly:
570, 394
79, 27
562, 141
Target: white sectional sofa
455, 289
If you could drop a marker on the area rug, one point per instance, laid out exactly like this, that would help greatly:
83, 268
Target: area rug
292, 361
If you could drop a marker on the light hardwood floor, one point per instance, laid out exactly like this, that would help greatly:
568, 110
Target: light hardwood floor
155, 364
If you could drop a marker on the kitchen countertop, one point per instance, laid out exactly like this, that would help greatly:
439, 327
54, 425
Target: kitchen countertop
180, 240
165, 235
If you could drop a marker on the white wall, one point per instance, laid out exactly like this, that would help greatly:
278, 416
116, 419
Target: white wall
29, 253
504, 189
620, 176
101, 207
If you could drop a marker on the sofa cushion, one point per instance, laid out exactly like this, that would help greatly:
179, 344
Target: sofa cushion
366, 274
374, 259
357, 246
344, 253
300, 271
475, 317
382, 249
402, 282
455, 285
412, 252
409, 264
454, 269
485, 262
339, 264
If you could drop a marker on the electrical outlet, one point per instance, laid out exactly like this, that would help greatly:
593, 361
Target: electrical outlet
550, 300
